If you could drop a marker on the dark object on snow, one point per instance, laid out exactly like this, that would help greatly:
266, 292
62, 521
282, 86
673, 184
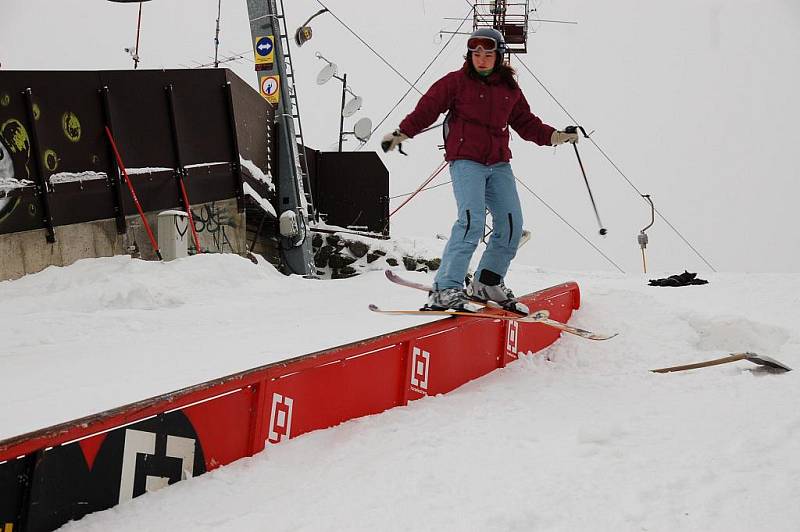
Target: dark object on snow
761, 360
683, 279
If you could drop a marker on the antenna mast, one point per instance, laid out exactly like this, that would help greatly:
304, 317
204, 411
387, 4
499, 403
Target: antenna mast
216, 35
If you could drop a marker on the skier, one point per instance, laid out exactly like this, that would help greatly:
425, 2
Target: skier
483, 98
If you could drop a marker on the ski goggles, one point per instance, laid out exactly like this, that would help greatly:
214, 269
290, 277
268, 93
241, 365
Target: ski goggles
487, 44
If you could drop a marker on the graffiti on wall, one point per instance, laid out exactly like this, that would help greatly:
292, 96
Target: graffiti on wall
16, 151
7, 204
212, 220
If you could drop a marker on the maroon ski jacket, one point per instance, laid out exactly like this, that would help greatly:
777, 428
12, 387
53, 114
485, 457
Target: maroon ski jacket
480, 112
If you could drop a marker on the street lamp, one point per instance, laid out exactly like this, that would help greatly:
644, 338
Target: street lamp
304, 32
363, 127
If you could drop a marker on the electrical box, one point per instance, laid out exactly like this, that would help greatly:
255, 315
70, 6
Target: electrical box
173, 238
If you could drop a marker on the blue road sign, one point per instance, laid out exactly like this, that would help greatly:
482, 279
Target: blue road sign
264, 46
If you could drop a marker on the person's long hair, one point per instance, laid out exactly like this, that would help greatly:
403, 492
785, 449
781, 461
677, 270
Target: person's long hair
506, 73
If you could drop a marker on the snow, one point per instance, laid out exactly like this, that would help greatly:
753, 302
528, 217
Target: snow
580, 436
8, 184
148, 170
257, 173
262, 202
70, 177
696, 104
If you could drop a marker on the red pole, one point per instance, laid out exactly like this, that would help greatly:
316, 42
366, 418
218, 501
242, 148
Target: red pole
191, 218
423, 185
133, 193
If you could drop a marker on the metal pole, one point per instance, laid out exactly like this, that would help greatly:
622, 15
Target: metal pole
180, 170
138, 29
341, 111
216, 36
297, 254
43, 182
114, 176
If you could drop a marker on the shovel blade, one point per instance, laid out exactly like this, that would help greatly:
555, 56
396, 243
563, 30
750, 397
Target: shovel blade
770, 362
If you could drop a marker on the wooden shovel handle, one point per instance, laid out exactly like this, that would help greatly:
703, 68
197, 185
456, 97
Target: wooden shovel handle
716, 362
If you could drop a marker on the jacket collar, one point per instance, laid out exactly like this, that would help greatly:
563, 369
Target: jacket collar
491, 79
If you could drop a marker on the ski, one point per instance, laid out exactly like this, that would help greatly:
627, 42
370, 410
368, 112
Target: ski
393, 277
537, 316
541, 316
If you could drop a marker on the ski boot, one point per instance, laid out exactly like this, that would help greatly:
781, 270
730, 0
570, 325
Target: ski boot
490, 287
450, 299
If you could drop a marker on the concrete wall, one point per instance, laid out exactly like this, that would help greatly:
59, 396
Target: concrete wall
220, 228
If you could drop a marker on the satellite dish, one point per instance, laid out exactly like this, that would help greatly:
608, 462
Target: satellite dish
363, 129
326, 74
352, 106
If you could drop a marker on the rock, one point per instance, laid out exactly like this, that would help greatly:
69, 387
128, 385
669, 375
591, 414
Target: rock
344, 273
335, 241
316, 240
338, 261
392, 261
359, 249
410, 263
379, 252
372, 257
433, 264
322, 256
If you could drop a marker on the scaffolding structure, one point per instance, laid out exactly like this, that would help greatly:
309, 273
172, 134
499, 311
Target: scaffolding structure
509, 18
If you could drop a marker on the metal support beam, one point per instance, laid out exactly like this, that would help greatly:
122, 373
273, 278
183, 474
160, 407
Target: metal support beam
180, 170
42, 182
265, 27
236, 165
114, 180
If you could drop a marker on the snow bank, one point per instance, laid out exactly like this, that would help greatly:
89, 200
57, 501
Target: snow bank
580, 437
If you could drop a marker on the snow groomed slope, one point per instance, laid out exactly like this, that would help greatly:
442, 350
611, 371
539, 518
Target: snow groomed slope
66, 471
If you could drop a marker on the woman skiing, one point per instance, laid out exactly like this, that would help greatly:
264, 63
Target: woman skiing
483, 99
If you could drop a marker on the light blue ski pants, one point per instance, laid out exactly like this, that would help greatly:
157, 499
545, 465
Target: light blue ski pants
476, 188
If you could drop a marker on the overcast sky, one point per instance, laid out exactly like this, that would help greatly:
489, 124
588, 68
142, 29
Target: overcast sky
695, 101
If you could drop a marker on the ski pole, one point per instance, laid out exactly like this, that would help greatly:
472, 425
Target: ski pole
574, 129
133, 194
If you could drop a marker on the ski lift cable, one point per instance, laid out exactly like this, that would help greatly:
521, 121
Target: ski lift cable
569, 224
613, 164
425, 188
357, 36
432, 61
422, 190
618, 169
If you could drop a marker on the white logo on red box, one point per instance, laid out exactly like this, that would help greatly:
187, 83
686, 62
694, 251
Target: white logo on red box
512, 338
140, 442
280, 419
420, 364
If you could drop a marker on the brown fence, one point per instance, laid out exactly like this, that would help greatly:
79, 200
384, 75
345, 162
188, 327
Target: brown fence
55, 164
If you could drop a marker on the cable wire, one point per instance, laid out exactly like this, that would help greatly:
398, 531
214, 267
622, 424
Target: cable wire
613, 164
569, 224
466, 17
368, 46
422, 190
617, 168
